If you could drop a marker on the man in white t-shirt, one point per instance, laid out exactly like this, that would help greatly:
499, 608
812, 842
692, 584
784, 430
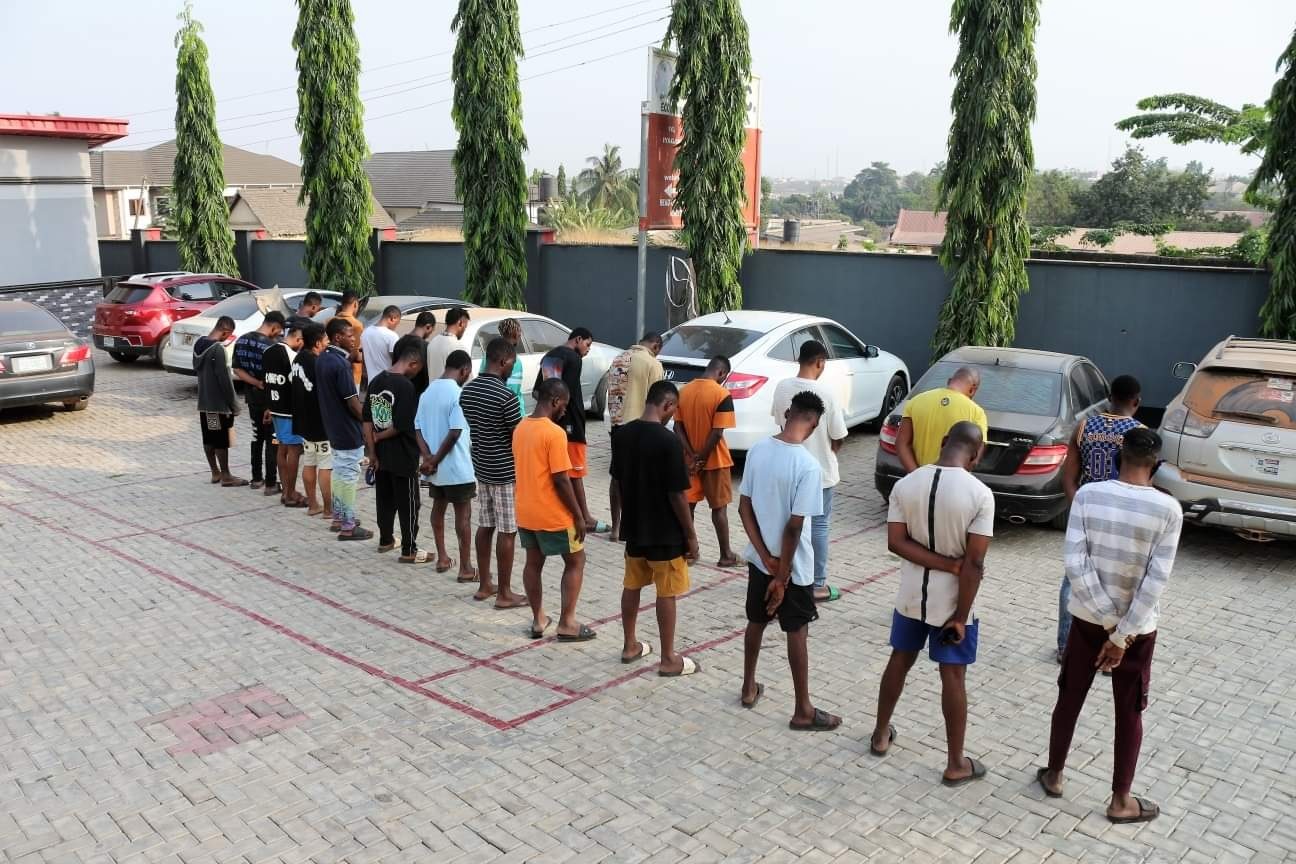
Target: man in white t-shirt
940, 523
781, 492
447, 342
823, 444
377, 342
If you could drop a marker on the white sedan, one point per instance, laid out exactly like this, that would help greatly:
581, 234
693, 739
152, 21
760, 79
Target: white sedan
762, 348
248, 311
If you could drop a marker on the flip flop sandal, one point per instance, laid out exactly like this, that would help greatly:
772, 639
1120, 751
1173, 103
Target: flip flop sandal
335, 527
481, 598
891, 733
539, 634
978, 771
296, 503
257, 484
358, 534
1039, 778
467, 579
645, 650
690, 668
236, 482
729, 562
314, 511
585, 635
419, 557
822, 722
834, 593
215, 479
760, 691
386, 547
601, 527
272, 489
1148, 810
445, 568
512, 604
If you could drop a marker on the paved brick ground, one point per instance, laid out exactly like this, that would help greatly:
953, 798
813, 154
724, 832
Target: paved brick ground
194, 674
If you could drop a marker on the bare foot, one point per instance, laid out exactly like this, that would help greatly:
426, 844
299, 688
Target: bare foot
509, 600
485, 593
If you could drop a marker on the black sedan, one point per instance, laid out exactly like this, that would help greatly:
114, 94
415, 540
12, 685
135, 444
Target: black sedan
41, 361
1033, 401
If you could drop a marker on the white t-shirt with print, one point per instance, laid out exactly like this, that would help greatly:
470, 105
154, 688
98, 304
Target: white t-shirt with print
832, 426
964, 505
782, 480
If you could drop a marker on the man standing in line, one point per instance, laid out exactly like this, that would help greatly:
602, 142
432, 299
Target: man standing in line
340, 408
648, 466
631, 374
929, 416
1121, 542
392, 444
249, 351
217, 404
1093, 455
277, 365
827, 439
377, 342
310, 305
308, 424
549, 518
564, 361
705, 410
424, 327
348, 310
940, 524
781, 491
447, 342
511, 331
446, 446
492, 413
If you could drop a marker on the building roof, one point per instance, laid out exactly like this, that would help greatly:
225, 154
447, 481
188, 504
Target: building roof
95, 131
117, 168
277, 212
919, 228
412, 178
431, 219
821, 231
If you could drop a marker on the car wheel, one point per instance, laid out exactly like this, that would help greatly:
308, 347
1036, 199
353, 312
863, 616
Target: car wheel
896, 391
156, 358
598, 407
76, 404
123, 358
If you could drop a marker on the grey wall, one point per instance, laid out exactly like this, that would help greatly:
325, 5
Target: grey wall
71, 302
47, 224
278, 262
434, 269
115, 257
162, 255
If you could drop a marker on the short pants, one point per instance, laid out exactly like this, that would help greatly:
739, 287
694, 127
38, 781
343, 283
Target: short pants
317, 454
910, 634
215, 429
455, 493
670, 578
715, 485
578, 454
496, 507
796, 611
551, 542
284, 433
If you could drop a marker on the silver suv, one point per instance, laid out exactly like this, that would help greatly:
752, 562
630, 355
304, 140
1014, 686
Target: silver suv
1229, 439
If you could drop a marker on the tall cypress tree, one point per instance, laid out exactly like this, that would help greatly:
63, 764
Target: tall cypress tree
711, 77
1278, 169
989, 168
490, 177
330, 119
562, 181
199, 211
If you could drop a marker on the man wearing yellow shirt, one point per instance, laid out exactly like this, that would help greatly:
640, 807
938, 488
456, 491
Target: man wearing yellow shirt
929, 416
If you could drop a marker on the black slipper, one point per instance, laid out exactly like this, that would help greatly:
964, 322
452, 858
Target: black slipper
978, 771
585, 635
1039, 777
760, 691
539, 634
890, 743
822, 722
1148, 810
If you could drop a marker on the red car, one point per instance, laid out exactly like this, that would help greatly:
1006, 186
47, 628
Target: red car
135, 318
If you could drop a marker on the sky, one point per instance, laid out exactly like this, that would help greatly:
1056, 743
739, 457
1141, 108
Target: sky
844, 82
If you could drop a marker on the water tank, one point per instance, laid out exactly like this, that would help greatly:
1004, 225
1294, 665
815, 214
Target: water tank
791, 230
548, 187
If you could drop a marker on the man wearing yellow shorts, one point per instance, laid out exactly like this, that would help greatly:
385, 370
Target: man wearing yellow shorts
656, 525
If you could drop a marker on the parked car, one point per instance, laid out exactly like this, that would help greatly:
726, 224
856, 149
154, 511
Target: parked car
247, 309
1033, 402
762, 348
1229, 439
410, 305
134, 319
41, 360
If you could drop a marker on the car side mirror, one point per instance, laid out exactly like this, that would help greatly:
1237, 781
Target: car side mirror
870, 351
1183, 371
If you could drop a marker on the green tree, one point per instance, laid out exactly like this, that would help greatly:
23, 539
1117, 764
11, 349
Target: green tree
1142, 191
490, 176
607, 185
1278, 170
711, 78
330, 119
199, 213
988, 173
919, 191
767, 196
874, 194
1186, 119
1050, 199
562, 180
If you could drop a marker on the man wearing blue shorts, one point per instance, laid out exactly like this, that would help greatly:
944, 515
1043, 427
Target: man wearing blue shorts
940, 523
277, 364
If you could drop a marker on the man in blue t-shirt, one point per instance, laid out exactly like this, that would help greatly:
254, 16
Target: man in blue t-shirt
341, 411
248, 368
446, 447
1093, 455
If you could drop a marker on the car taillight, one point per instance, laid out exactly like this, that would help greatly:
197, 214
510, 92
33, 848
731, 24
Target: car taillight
887, 437
741, 385
1174, 420
1198, 426
75, 355
1043, 460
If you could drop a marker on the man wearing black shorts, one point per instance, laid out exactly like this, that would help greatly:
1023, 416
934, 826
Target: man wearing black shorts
780, 493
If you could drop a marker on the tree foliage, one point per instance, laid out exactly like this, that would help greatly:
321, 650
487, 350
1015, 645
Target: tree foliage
711, 78
606, 184
490, 176
575, 214
988, 173
562, 180
1278, 169
330, 119
1140, 190
1185, 119
874, 194
199, 213
1050, 198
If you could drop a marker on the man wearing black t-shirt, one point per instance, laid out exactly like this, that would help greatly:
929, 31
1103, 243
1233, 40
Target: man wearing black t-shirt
390, 405
276, 362
317, 456
648, 465
565, 362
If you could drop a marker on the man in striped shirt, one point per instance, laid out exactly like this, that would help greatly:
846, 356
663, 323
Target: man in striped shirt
1120, 548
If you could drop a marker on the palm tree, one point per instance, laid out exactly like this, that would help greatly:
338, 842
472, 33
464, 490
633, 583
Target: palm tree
606, 184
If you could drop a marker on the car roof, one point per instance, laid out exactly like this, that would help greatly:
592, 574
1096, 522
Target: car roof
1021, 358
405, 301
751, 319
1266, 355
172, 276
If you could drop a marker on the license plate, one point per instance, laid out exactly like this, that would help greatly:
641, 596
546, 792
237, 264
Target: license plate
111, 341
188, 339
32, 363
1268, 467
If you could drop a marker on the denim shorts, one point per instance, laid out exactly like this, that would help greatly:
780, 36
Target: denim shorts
283, 431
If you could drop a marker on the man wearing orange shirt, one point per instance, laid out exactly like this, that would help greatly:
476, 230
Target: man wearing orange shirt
348, 308
549, 518
705, 410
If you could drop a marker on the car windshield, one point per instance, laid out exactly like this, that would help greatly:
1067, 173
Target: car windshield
1007, 389
241, 306
124, 292
16, 320
702, 342
1266, 398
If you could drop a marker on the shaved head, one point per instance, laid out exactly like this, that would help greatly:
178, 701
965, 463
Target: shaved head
962, 445
965, 380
